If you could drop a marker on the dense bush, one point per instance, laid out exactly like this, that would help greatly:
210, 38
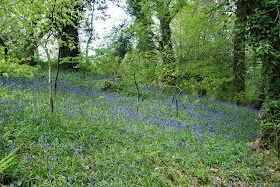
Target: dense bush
270, 124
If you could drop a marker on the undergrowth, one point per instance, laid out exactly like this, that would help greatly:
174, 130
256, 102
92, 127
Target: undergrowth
96, 137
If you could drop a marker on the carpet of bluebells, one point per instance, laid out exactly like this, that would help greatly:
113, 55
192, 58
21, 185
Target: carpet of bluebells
96, 138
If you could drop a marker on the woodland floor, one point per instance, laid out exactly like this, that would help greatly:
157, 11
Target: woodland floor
95, 137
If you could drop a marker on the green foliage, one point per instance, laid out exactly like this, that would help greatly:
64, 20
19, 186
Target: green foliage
127, 88
106, 85
263, 27
121, 43
107, 59
7, 161
120, 87
203, 49
202, 175
38, 21
124, 88
142, 25
139, 66
105, 63
27, 25
240, 98
13, 68
9, 68
255, 80
270, 123
5, 95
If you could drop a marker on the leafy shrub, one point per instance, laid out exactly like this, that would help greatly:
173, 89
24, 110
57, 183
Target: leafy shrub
270, 123
106, 85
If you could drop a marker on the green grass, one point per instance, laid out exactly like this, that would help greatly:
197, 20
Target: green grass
97, 138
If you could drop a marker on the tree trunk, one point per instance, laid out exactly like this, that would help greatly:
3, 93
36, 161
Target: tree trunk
166, 47
70, 31
50, 80
274, 75
274, 82
238, 83
57, 72
263, 29
88, 42
138, 94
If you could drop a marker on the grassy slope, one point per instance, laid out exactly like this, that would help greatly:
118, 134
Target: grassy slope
97, 138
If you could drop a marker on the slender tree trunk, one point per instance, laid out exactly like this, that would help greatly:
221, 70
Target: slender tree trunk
50, 69
174, 94
57, 72
177, 107
88, 42
138, 93
238, 83
175, 97
50, 79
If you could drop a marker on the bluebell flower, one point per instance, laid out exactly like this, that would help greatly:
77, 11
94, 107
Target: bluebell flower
92, 181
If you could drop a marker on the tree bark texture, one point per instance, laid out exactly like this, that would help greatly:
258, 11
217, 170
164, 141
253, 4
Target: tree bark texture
238, 83
50, 80
57, 72
166, 47
70, 31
